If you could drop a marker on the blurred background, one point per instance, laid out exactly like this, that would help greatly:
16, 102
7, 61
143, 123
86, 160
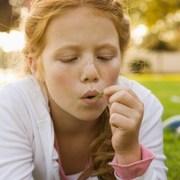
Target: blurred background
153, 57
155, 36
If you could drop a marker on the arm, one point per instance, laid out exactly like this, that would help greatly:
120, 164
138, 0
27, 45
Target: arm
149, 132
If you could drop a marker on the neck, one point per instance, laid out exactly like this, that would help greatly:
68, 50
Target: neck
74, 138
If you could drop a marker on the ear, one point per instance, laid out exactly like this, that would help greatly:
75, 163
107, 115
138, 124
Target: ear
32, 64
35, 67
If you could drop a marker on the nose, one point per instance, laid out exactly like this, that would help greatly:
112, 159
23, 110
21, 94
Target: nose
90, 73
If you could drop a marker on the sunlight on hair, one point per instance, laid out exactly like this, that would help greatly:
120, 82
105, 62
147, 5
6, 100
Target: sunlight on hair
12, 41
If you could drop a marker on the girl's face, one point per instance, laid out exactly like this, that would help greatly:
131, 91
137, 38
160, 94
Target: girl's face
81, 58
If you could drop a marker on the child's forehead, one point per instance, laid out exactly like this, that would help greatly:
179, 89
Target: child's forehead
86, 29
79, 16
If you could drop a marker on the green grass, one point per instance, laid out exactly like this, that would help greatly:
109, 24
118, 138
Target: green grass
167, 87
171, 149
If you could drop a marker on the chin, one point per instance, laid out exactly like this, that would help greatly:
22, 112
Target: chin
89, 116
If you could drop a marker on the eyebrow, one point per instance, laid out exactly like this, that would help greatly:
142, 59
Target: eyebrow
73, 47
107, 46
77, 48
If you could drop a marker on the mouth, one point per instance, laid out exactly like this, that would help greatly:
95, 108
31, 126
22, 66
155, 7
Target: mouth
93, 96
100, 95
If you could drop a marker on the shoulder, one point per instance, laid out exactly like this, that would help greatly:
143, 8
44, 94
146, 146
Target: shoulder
19, 105
19, 98
14, 91
13, 111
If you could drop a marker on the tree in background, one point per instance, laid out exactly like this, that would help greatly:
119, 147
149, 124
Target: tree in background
162, 20
6, 20
10, 12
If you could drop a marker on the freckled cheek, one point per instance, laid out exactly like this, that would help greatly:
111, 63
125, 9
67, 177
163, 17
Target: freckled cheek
62, 76
114, 76
114, 73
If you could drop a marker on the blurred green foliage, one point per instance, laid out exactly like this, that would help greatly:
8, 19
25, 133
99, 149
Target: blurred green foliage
150, 11
165, 90
162, 18
165, 87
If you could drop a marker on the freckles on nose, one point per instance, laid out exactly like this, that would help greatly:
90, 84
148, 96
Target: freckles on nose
90, 73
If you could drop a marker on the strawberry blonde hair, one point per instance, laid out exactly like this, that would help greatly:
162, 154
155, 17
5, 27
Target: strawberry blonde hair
40, 15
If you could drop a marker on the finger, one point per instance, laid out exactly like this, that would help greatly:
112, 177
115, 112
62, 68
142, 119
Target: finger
132, 116
123, 124
119, 121
125, 98
109, 91
116, 107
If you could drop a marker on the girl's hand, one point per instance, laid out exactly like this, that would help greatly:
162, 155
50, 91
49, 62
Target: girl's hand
126, 113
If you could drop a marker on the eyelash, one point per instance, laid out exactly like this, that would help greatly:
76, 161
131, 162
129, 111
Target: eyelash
105, 58
70, 59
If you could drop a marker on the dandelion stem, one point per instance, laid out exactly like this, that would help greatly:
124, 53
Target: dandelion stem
98, 96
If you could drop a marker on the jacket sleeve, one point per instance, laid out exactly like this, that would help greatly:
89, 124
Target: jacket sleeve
15, 150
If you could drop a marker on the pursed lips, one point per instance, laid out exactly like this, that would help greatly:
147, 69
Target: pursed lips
90, 94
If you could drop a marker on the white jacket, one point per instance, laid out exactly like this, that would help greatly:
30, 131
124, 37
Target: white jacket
27, 134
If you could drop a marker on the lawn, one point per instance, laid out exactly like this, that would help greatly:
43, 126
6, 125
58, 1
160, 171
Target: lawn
167, 89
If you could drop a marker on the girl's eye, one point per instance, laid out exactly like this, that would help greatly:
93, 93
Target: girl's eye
105, 58
68, 59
